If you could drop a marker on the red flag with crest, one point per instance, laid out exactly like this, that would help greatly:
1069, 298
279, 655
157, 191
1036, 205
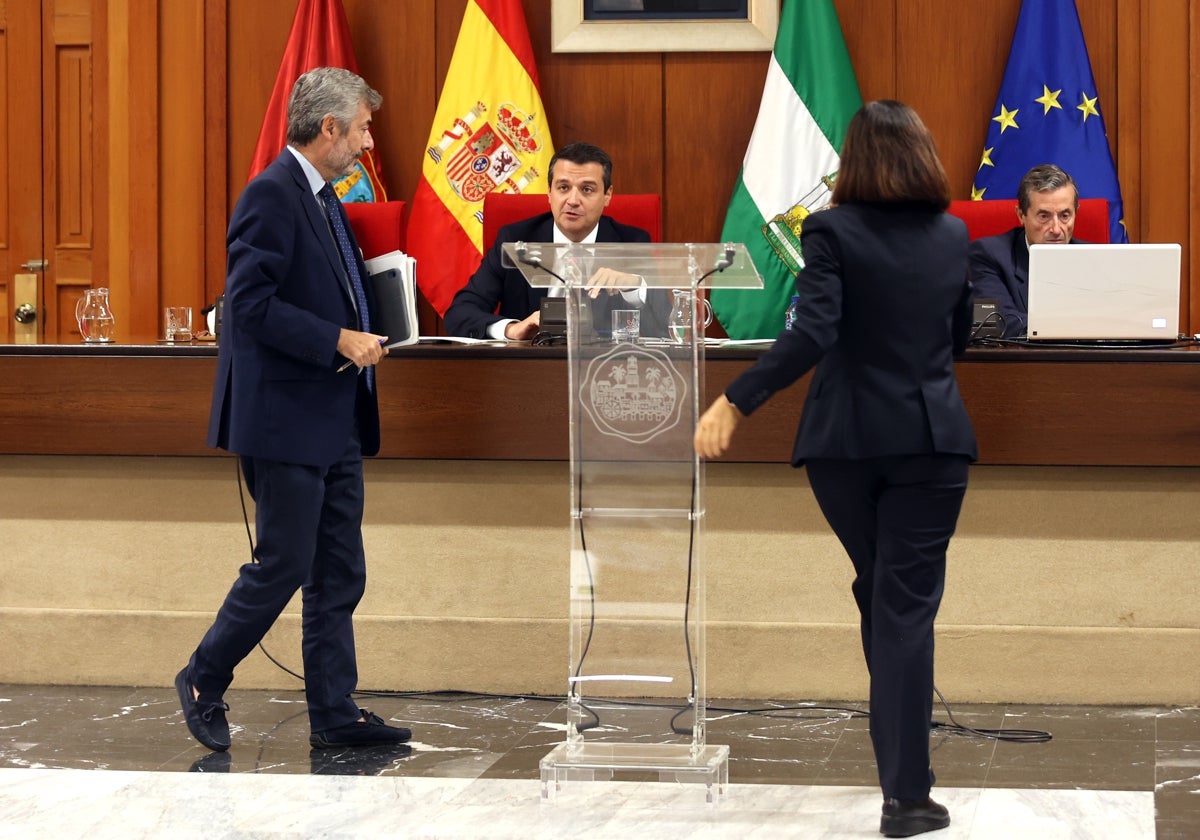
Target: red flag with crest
320, 37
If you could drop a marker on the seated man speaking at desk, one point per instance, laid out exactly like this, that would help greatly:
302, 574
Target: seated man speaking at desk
499, 303
1047, 200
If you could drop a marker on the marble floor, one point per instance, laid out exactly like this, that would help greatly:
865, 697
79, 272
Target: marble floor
119, 762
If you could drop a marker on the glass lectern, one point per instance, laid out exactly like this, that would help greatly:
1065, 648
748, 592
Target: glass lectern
636, 679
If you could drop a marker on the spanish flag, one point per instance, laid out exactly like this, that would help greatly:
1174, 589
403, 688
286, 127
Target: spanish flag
489, 134
320, 37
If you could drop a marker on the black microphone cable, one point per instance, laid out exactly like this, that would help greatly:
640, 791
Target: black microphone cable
992, 318
1020, 736
254, 559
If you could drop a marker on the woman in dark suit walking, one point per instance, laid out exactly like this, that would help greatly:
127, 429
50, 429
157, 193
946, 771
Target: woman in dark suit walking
884, 307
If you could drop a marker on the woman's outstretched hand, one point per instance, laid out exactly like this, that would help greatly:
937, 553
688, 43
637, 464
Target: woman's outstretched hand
715, 429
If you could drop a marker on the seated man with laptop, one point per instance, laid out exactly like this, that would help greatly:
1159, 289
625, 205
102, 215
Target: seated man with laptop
499, 303
1090, 293
1047, 200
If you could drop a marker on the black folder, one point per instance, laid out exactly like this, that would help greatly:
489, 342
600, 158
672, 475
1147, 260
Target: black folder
395, 313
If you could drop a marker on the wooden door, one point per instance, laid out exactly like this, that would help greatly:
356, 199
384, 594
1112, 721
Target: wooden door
20, 169
53, 152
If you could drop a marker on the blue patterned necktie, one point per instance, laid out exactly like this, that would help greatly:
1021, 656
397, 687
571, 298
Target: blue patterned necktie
333, 209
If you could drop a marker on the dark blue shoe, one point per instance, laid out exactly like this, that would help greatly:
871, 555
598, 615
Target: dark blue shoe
905, 818
371, 731
205, 719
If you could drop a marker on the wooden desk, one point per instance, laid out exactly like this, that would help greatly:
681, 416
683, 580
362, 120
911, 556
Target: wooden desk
1129, 407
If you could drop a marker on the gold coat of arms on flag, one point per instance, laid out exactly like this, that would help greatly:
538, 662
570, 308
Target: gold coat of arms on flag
494, 153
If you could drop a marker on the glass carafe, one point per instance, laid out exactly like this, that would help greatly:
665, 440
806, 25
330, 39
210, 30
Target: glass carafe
95, 319
683, 316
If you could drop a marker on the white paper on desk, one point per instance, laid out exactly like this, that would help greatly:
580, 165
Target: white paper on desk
393, 278
458, 339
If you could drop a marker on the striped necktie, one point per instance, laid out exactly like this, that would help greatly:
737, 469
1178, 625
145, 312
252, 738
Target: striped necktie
337, 222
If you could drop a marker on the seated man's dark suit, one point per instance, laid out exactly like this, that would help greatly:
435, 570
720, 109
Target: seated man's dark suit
495, 292
1000, 270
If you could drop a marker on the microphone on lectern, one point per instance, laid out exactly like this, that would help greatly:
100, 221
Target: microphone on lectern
533, 258
723, 262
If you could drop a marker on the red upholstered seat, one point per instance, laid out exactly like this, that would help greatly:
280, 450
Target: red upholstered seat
990, 217
378, 226
640, 210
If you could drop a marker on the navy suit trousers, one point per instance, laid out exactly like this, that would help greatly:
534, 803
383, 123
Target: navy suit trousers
895, 517
309, 528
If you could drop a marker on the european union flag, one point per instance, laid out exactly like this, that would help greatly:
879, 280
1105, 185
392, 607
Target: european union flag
1048, 112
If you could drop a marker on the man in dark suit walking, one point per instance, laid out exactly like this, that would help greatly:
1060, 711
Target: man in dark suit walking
499, 303
295, 399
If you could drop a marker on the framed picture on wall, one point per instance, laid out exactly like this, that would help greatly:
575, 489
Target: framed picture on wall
663, 25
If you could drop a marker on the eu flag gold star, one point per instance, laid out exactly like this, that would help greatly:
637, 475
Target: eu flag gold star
1049, 99
1088, 107
987, 158
976, 193
1007, 118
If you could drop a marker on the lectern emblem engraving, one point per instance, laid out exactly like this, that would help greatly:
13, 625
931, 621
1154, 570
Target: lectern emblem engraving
634, 393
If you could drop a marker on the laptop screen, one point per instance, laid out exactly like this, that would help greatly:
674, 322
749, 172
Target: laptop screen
1104, 292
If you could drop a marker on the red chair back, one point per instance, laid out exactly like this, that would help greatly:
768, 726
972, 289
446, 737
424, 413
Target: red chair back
378, 226
642, 210
993, 216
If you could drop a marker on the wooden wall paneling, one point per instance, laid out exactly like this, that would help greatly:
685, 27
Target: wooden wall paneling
101, 151
1044, 408
394, 45
447, 22
949, 66
1098, 18
712, 102
106, 405
20, 152
1106, 39
120, 164
428, 395
396, 49
257, 35
1191, 267
869, 28
131, 161
140, 313
6, 276
69, 163
1125, 127
616, 102
1165, 125
216, 162
181, 150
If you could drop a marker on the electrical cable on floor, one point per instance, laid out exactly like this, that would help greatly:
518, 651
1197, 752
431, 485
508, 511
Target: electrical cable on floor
1023, 736
1019, 736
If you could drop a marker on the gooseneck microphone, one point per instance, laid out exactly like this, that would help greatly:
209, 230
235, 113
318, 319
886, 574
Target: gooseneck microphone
534, 258
721, 264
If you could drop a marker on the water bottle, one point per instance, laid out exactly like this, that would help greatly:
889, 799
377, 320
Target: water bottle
790, 317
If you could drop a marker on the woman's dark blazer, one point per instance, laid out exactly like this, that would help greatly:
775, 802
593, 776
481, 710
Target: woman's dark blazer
885, 305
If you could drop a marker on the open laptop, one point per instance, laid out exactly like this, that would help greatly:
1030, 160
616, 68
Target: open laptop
1104, 293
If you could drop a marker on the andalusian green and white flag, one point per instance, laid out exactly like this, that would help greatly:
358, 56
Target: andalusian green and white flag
791, 163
